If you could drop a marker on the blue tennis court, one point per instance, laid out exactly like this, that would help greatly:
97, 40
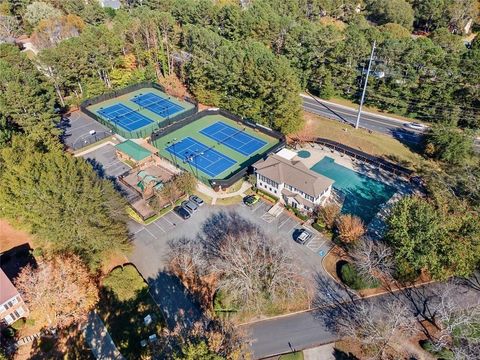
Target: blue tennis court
235, 139
206, 159
125, 117
157, 104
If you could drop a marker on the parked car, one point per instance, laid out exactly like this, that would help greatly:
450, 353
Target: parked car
303, 236
182, 212
250, 200
196, 200
416, 126
190, 206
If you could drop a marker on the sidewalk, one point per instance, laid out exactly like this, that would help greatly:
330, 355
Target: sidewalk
99, 340
222, 195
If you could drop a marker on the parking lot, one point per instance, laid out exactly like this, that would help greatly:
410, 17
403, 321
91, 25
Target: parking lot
107, 165
151, 241
105, 161
79, 130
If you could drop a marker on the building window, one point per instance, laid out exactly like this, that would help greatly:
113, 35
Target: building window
21, 311
2, 308
8, 319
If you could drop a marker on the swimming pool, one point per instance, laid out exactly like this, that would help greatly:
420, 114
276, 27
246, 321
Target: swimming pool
363, 195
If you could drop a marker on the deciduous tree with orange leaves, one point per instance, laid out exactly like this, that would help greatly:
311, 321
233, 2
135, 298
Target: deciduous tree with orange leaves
59, 291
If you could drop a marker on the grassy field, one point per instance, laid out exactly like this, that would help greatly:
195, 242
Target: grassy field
372, 143
124, 302
193, 130
229, 201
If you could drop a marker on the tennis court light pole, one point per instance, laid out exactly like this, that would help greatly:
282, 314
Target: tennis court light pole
357, 123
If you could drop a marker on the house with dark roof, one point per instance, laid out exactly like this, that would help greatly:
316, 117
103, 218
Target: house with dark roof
12, 306
292, 182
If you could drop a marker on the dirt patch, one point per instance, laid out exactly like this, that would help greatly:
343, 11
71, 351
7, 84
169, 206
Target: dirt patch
116, 259
11, 237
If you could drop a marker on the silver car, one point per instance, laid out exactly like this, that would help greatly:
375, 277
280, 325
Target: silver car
303, 237
190, 206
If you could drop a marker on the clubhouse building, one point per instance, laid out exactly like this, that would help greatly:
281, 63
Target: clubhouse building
291, 181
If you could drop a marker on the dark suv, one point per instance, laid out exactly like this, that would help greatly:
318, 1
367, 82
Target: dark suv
182, 212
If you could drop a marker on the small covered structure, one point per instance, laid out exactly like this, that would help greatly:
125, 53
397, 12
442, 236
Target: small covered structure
133, 152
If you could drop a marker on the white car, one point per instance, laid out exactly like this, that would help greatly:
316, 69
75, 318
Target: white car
416, 126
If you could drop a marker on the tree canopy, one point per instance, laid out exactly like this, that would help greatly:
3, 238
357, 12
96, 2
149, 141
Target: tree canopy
62, 200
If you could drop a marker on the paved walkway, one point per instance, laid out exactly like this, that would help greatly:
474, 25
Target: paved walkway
99, 340
222, 195
324, 352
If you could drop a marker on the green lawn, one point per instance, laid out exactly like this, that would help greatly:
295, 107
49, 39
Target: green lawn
376, 144
193, 130
124, 302
292, 356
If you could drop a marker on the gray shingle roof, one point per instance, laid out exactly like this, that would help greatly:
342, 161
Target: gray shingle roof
294, 173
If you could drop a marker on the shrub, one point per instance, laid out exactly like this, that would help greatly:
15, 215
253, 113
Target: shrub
443, 353
405, 272
19, 324
318, 226
328, 214
297, 213
267, 195
350, 276
350, 228
125, 282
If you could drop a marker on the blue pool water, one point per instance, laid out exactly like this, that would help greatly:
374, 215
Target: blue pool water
363, 195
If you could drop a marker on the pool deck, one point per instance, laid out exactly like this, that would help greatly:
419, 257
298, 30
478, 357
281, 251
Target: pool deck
317, 153
376, 227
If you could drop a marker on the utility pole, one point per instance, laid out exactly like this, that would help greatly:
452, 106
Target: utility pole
365, 85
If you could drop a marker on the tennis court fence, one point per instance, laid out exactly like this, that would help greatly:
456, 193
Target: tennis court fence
242, 171
145, 131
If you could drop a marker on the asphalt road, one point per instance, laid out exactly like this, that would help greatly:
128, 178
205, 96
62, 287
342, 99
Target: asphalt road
370, 121
289, 333
307, 329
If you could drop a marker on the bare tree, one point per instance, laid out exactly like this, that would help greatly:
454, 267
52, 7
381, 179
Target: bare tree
240, 259
456, 324
372, 258
252, 267
9, 28
328, 214
377, 325
59, 291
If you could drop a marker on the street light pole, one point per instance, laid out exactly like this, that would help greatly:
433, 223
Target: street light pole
365, 86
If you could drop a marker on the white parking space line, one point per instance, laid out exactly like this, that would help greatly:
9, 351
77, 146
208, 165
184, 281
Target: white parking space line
150, 233
159, 227
136, 232
284, 222
166, 219
174, 213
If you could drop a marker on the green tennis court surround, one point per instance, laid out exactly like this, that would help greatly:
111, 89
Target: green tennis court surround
138, 110
214, 146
